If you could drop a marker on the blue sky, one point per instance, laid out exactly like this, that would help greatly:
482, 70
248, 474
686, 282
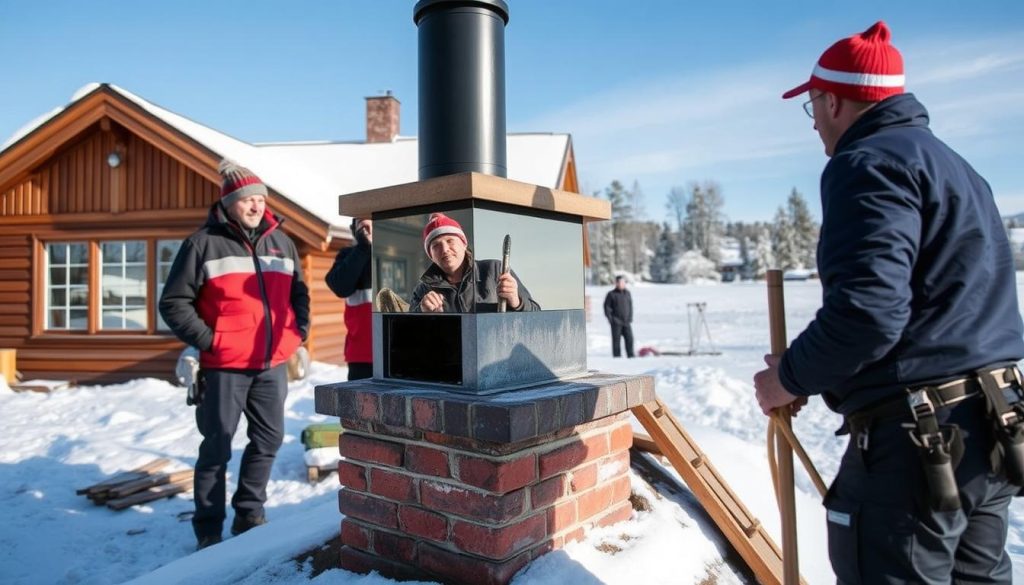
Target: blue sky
657, 92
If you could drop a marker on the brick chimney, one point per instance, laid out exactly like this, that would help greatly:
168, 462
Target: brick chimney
382, 118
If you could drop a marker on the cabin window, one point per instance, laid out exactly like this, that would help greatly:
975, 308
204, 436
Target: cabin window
108, 286
67, 285
123, 285
166, 251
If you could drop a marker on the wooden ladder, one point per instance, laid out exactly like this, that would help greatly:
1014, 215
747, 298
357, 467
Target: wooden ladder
740, 527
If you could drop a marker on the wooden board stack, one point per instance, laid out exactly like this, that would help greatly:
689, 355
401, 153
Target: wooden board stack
138, 486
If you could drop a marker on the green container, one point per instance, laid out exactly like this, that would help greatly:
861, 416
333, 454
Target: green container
321, 435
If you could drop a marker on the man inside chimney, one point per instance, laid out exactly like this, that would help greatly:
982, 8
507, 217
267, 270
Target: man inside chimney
455, 283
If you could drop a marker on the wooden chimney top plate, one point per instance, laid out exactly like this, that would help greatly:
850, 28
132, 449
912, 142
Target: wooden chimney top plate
473, 186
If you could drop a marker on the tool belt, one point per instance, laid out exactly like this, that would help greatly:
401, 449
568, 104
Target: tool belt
941, 446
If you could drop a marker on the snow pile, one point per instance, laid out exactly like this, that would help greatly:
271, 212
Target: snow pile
51, 444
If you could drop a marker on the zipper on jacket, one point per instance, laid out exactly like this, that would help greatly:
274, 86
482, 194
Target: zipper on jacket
267, 353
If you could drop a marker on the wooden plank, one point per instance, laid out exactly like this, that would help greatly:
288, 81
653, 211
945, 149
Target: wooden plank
152, 466
155, 493
645, 443
741, 528
153, 480
473, 186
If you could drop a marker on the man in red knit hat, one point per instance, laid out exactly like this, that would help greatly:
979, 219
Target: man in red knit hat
917, 341
235, 292
455, 283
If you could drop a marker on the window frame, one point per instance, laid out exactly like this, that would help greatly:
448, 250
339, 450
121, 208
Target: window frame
39, 297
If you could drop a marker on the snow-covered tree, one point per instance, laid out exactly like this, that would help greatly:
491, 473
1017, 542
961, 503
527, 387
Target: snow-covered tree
665, 257
693, 266
602, 253
805, 229
763, 258
784, 245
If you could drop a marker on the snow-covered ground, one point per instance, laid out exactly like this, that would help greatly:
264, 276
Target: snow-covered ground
52, 444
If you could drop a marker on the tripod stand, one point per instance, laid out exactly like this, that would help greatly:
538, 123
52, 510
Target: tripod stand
696, 321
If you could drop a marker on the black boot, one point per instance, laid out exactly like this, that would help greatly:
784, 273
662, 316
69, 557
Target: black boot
209, 540
244, 523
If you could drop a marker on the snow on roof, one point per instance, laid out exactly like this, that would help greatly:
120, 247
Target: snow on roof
314, 174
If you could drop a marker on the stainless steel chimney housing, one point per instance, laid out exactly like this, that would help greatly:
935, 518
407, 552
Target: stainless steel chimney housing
461, 86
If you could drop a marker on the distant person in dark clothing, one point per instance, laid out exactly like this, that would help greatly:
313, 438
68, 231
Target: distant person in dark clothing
455, 283
917, 339
618, 308
235, 292
351, 279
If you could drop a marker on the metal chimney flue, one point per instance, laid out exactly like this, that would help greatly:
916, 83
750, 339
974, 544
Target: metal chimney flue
461, 86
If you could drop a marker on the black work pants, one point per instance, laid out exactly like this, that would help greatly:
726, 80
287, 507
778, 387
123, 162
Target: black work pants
259, 394
881, 529
359, 370
622, 330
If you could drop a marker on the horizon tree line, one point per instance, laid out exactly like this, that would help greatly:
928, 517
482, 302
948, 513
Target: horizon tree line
689, 243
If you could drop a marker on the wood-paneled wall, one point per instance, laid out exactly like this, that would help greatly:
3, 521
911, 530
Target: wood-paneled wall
15, 276
327, 332
79, 180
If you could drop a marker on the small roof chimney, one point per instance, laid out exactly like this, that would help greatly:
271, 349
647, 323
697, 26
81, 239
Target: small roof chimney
382, 118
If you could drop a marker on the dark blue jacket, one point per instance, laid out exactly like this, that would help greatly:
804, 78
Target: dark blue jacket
917, 274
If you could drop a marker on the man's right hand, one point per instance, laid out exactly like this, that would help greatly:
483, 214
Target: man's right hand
432, 302
364, 230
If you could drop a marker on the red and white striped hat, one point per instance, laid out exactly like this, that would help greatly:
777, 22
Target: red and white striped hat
440, 224
864, 67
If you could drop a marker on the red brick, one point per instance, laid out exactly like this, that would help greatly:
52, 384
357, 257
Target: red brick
499, 543
594, 502
613, 466
392, 485
561, 516
545, 547
394, 547
583, 478
426, 461
368, 508
501, 476
574, 454
621, 488
619, 513
360, 562
367, 406
574, 535
546, 492
621, 438
352, 476
353, 534
423, 523
468, 503
459, 568
362, 448
426, 414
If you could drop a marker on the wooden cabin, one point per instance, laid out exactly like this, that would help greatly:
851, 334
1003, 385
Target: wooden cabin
96, 198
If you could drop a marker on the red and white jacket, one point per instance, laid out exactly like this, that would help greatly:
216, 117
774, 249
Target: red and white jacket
243, 304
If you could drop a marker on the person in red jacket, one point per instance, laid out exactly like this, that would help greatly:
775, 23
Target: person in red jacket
235, 291
350, 278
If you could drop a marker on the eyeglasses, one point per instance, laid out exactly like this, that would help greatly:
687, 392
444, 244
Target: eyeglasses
809, 108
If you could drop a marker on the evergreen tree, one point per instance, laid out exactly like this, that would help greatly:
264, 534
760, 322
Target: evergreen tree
622, 212
784, 245
665, 257
805, 229
763, 258
604, 260
703, 229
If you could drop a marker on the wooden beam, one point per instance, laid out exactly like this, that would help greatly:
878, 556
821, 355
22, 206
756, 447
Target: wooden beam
473, 186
